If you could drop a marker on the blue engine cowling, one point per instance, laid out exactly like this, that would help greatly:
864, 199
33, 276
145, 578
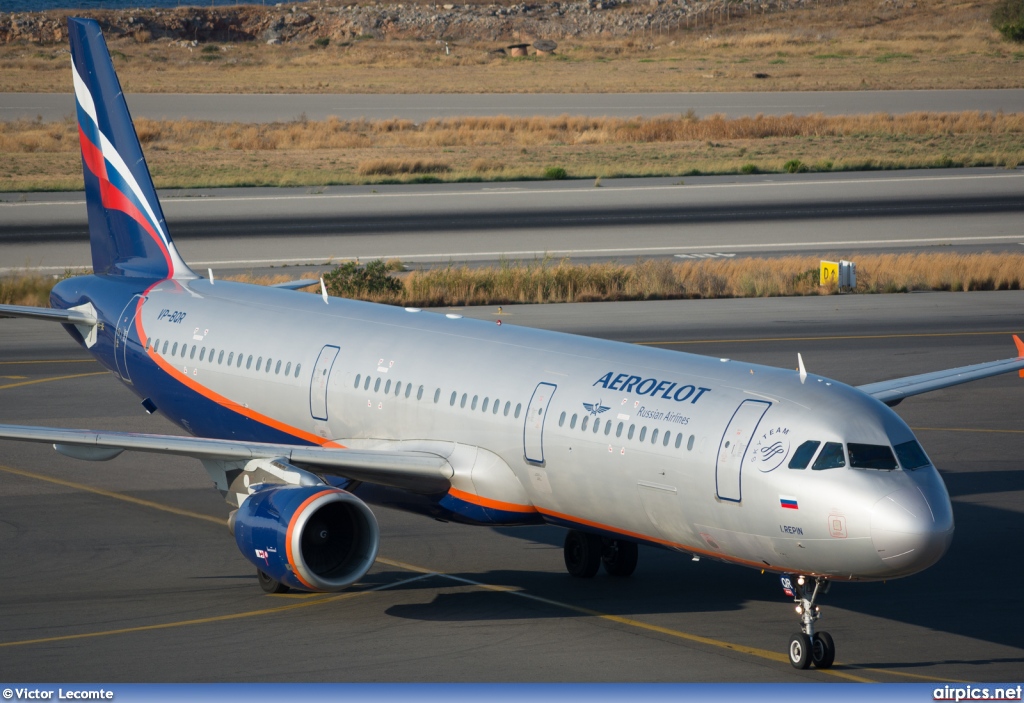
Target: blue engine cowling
315, 538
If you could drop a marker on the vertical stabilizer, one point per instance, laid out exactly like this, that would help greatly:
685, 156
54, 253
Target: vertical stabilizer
126, 225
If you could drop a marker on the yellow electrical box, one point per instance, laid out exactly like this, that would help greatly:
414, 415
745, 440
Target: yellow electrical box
829, 273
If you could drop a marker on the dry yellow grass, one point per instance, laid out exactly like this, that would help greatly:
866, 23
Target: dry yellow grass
191, 153
854, 45
562, 281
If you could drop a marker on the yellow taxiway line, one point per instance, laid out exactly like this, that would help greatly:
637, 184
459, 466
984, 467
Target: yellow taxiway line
422, 574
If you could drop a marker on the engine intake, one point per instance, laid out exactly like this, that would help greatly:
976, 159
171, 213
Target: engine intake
315, 538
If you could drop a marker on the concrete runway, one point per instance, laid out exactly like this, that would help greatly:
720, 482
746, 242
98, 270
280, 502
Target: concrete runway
123, 571
287, 107
827, 214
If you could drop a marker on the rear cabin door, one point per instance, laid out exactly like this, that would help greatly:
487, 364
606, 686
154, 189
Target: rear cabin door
733, 448
318, 382
125, 323
533, 430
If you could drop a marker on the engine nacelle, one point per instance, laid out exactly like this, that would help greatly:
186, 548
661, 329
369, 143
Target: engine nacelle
315, 538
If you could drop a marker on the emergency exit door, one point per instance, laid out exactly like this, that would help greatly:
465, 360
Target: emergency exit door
533, 430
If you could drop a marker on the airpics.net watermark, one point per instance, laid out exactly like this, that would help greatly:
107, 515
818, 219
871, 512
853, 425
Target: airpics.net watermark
977, 693
59, 694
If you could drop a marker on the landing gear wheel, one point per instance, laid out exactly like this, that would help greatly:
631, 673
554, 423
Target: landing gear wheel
823, 650
582, 554
800, 651
268, 584
619, 557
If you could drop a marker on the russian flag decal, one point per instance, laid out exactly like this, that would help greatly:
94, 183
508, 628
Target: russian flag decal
788, 502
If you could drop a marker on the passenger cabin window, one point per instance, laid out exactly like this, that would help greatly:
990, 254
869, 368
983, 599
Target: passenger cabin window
679, 440
452, 401
689, 443
202, 353
359, 377
483, 408
803, 454
398, 389
497, 403
220, 357
298, 367
643, 432
248, 362
561, 419
618, 430
597, 426
654, 436
259, 361
376, 385
288, 369
472, 406
572, 423
366, 384
871, 456
519, 407
387, 387
911, 455
607, 428
437, 394
193, 354
831, 457
629, 435
419, 394
462, 403
668, 436
508, 404
277, 368
583, 425
270, 363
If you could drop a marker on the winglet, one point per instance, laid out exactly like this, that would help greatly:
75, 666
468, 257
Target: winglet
1020, 352
803, 371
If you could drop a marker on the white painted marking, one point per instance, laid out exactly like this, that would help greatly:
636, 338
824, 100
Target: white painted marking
560, 192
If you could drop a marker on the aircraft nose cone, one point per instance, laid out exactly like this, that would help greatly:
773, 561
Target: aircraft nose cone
912, 528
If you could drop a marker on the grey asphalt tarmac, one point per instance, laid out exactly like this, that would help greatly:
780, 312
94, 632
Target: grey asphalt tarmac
828, 214
287, 107
124, 571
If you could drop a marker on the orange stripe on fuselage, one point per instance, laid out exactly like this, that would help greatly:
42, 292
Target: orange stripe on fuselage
216, 397
490, 503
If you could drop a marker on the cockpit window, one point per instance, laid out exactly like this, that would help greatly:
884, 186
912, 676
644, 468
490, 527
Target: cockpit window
803, 454
871, 456
831, 457
911, 455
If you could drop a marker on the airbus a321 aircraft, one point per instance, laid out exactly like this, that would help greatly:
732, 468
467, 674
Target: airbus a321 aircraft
304, 408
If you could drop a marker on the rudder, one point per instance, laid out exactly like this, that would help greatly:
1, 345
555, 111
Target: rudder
127, 231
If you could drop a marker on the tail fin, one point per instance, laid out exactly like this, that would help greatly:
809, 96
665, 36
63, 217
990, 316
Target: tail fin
126, 225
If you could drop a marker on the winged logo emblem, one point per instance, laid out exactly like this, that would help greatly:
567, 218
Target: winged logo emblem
595, 408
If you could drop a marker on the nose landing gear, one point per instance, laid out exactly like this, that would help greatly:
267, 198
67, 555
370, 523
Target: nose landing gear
808, 647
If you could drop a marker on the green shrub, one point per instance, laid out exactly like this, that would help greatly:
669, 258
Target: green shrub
555, 173
794, 166
748, 169
322, 42
1008, 19
350, 280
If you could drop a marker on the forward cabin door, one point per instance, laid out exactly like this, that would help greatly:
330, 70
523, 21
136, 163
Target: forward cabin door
318, 382
733, 448
533, 430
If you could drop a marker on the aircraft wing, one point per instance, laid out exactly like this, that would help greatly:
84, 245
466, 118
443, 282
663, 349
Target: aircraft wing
892, 392
418, 471
296, 285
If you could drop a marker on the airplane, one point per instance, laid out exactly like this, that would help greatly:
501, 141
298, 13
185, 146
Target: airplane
306, 409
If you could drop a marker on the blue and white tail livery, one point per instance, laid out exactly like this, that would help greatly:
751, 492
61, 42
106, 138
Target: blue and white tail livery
126, 226
304, 413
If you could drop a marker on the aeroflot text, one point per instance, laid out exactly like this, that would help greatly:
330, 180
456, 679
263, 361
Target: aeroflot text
973, 693
36, 694
650, 386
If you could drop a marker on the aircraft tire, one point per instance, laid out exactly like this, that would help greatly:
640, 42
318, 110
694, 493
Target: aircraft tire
582, 553
268, 584
800, 651
620, 560
823, 651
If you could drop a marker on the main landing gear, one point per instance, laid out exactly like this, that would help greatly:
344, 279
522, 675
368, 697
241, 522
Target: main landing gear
807, 646
270, 584
585, 553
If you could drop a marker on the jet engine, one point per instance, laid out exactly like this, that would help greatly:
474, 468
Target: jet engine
315, 538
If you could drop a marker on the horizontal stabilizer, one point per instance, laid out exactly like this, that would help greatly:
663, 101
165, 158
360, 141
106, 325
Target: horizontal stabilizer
72, 317
417, 471
296, 285
892, 392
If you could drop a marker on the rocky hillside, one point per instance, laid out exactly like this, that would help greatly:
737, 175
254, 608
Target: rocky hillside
308, 22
